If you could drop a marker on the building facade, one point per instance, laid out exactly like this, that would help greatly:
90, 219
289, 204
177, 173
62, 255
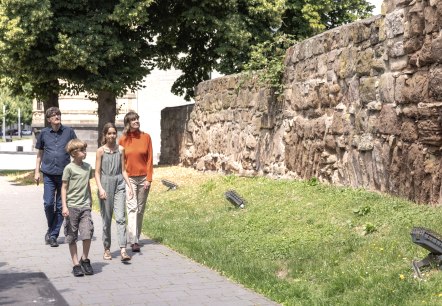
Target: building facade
80, 113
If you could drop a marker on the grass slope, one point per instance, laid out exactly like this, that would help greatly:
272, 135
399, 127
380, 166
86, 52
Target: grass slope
299, 243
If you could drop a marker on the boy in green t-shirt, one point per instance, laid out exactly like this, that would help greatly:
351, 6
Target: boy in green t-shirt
76, 199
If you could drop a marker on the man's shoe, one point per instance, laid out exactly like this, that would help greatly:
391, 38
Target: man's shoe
86, 266
135, 247
47, 238
53, 242
77, 271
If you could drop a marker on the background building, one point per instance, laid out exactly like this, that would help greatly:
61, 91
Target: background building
80, 113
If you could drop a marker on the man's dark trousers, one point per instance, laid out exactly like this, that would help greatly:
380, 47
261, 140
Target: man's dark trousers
52, 203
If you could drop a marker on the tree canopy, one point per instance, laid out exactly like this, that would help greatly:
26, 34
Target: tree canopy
26, 45
106, 47
305, 18
199, 37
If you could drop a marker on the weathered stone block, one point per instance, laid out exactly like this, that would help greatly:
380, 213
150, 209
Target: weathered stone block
413, 44
390, 120
387, 87
410, 111
330, 143
364, 62
435, 83
339, 124
430, 132
424, 56
394, 23
436, 49
409, 131
415, 25
365, 142
398, 64
367, 89
416, 88
347, 63
396, 48
432, 21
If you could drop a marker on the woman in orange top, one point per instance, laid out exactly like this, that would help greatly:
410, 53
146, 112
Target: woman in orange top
139, 167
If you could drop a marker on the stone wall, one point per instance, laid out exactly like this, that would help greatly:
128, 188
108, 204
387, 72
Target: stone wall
361, 107
173, 126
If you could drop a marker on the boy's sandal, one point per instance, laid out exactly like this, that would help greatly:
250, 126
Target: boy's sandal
107, 255
124, 256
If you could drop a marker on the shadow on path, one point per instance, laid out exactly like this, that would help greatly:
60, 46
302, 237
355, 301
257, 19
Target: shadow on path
28, 289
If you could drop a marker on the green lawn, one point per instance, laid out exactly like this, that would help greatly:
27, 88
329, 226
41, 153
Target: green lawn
299, 243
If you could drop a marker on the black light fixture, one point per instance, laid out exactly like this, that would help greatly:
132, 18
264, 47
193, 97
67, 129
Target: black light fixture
430, 241
170, 185
235, 199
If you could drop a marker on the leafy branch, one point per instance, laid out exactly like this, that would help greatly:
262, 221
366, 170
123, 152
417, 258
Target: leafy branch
268, 58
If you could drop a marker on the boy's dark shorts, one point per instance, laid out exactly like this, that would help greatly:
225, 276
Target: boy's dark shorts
79, 220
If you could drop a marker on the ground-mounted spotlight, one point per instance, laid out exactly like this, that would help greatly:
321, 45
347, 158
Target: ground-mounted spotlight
430, 241
235, 199
169, 184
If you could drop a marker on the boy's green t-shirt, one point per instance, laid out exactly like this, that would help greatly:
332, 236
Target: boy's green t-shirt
77, 178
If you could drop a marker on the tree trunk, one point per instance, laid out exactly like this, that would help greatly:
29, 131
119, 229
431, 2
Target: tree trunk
51, 99
107, 110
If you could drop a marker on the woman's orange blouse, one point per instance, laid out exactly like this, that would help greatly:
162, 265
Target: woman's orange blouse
138, 154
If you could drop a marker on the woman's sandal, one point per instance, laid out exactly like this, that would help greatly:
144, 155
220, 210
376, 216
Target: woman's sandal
124, 256
107, 255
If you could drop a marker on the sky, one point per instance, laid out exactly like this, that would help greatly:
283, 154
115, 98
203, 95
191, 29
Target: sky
378, 4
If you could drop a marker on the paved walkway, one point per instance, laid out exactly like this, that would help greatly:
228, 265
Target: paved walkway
20, 155
155, 276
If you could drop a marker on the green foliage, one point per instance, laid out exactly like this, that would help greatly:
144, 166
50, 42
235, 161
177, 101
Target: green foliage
208, 186
26, 42
94, 46
98, 46
268, 59
305, 18
199, 37
313, 181
295, 243
362, 211
300, 19
369, 228
13, 103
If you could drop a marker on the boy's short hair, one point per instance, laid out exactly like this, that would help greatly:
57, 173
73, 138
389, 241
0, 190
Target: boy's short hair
52, 111
75, 145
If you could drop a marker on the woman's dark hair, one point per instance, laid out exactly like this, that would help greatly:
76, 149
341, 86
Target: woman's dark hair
131, 115
106, 128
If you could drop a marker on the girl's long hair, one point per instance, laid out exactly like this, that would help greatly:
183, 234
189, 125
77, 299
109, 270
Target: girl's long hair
127, 119
106, 128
